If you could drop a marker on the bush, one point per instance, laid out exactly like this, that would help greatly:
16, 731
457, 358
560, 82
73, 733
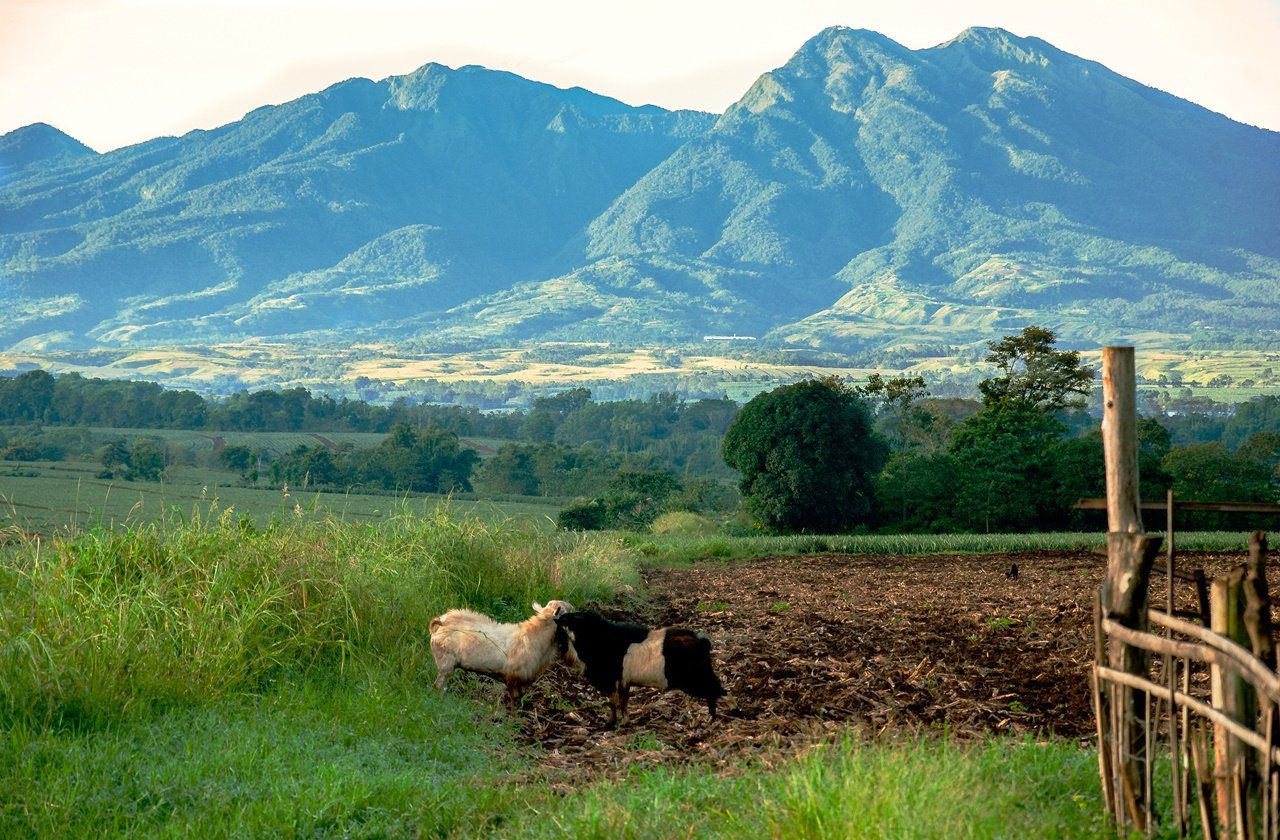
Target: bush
684, 524
583, 516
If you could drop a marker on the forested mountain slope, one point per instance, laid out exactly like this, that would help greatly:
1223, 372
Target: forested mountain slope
861, 194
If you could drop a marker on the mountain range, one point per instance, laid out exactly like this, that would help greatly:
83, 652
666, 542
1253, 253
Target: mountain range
862, 195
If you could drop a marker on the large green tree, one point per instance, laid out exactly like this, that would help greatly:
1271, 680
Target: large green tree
1033, 374
1006, 453
808, 457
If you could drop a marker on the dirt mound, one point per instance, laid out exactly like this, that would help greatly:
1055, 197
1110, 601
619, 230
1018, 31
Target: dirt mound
807, 646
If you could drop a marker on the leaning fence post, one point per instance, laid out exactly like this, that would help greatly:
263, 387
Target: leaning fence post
1257, 623
1171, 676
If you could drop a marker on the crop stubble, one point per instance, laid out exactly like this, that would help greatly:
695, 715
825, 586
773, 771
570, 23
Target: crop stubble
810, 646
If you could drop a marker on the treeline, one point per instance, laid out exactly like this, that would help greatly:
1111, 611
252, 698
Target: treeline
827, 456
564, 445
36, 396
407, 460
1016, 459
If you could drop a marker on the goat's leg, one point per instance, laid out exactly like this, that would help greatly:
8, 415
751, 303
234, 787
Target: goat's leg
624, 692
615, 702
442, 676
515, 690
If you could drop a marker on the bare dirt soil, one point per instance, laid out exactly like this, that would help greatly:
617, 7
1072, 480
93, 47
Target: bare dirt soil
807, 647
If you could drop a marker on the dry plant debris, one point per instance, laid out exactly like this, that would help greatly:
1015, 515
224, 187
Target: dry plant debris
808, 647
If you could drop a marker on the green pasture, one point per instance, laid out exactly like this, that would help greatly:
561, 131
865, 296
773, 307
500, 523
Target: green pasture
62, 497
199, 676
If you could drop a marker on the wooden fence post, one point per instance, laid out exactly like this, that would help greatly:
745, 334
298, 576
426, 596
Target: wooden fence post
1120, 440
1130, 554
1235, 697
1257, 609
1257, 624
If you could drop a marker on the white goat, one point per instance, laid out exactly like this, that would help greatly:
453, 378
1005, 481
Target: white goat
517, 654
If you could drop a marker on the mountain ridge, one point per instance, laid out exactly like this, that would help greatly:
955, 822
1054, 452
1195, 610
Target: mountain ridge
862, 194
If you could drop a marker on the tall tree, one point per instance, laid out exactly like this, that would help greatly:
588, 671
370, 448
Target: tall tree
808, 456
1004, 453
1034, 374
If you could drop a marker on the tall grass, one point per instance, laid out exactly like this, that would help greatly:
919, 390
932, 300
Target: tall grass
114, 622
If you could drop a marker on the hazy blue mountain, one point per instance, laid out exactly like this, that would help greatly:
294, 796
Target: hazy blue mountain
337, 209
989, 181
861, 194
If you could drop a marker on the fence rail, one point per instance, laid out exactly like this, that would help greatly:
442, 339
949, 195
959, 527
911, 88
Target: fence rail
1238, 789
1207, 673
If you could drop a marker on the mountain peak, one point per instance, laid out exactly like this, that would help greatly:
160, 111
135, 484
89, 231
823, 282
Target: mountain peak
420, 89
38, 143
992, 40
843, 41
839, 59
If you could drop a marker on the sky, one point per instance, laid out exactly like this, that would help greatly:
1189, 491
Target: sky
116, 72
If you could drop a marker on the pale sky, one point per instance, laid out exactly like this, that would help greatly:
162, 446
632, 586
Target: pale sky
115, 72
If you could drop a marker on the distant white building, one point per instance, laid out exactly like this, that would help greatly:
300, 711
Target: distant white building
734, 337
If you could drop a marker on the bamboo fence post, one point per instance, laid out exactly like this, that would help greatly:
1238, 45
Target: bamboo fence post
1268, 768
1257, 623
1204, 784
1257, 609
1186, 739
1102, 713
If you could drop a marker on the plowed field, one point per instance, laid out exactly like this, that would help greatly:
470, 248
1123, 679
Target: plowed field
808, 646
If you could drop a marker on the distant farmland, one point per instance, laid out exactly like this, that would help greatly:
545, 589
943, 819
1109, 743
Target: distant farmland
62, 497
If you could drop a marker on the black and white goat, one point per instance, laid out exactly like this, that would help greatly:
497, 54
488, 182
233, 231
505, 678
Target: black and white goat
517, 654
615, 655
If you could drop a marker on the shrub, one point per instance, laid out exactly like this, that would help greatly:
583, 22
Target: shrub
683, 523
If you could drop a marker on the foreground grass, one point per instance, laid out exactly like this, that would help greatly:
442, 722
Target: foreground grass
206, 677
380, 758
854, 789
369, 757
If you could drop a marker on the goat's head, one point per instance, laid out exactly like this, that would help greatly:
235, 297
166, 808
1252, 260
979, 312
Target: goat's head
553, 609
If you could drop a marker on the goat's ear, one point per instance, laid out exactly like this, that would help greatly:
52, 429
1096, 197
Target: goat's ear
538, 607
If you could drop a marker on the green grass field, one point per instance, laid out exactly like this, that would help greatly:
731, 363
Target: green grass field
62, 497
200, 676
